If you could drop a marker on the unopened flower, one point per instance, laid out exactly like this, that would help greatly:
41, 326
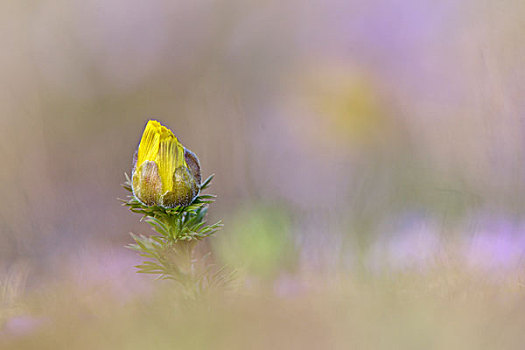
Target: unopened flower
165, 173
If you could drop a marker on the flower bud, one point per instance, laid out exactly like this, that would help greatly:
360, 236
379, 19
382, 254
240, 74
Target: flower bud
165, 173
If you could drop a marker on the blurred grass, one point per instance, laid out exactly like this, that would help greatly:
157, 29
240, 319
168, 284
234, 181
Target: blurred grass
447, 308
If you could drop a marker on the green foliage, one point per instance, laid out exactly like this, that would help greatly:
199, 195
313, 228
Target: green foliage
170, 250
259, 241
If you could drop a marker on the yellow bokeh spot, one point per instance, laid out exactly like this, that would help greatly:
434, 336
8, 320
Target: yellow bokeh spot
338, 105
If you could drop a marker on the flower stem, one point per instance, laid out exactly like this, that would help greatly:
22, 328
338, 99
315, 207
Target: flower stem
170, 251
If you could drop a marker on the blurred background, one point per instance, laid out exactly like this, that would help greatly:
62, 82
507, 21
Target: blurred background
351, 138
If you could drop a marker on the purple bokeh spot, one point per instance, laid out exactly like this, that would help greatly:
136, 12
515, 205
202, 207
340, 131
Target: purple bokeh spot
498, 245
413, 245
22, 325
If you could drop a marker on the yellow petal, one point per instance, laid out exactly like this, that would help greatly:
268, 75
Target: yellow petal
149, 144
167, 160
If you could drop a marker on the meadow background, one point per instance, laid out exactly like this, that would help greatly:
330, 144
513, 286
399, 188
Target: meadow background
369, 160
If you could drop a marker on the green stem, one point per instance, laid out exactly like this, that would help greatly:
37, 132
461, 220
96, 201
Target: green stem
170, 252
